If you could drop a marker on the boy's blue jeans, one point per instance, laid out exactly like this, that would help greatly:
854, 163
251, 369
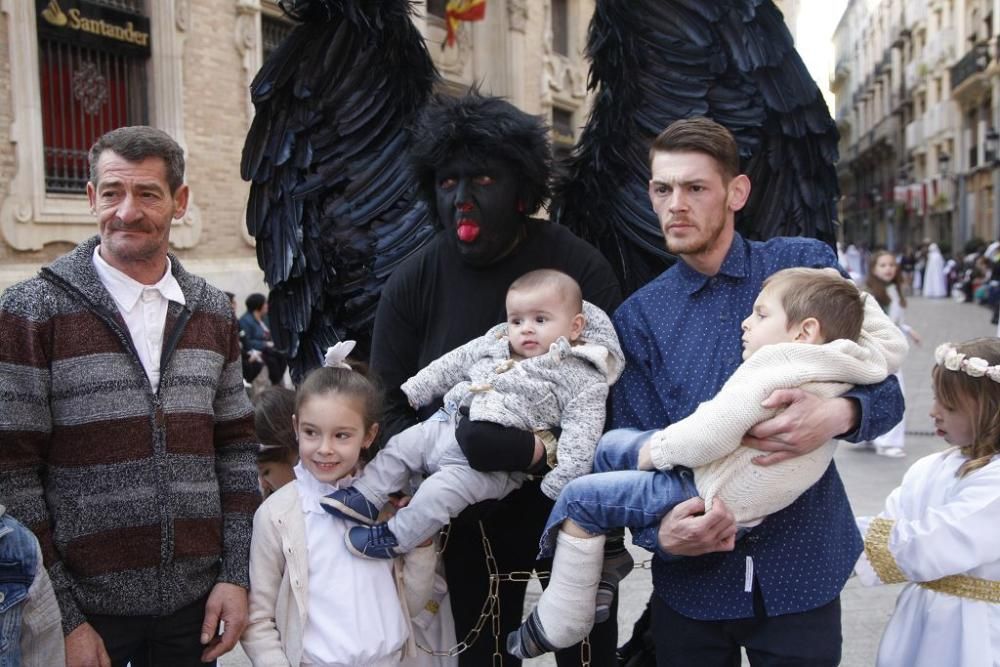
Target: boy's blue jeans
618, 495
30, 624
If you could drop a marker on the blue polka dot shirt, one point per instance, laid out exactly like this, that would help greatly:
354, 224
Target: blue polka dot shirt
681, 337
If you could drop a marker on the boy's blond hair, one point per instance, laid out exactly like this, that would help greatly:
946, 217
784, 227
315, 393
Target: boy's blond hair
834, 301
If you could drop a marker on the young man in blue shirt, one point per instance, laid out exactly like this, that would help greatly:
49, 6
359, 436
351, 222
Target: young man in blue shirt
775, 592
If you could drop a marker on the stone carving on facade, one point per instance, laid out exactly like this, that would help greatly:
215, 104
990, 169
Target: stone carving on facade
247, 30
561, 76
90, 88
249, 46
182, 14
565, 76
517, 15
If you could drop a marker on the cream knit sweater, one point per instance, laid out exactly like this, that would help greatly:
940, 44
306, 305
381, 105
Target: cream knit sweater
708, 440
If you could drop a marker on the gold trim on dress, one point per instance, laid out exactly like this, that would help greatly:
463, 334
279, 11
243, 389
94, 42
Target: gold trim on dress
877, 550
959, 585
963, 586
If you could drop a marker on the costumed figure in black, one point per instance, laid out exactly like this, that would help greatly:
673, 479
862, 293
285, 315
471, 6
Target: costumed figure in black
483, 167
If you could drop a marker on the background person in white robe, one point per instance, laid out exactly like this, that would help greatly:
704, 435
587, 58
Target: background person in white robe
884, 282
938, 530
935, 285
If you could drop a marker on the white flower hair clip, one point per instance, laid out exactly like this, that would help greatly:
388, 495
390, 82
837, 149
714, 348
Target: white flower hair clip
949, 357
336, 355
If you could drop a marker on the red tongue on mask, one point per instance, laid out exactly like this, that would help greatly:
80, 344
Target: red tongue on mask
468, 231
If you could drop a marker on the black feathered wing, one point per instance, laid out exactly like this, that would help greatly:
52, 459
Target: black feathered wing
333, 205
655, 61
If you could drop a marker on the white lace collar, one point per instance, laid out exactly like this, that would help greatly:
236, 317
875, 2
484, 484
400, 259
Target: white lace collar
311, 489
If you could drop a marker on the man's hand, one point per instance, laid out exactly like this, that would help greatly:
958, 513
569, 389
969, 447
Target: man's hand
645, 457
805, 424
85, 648
685, 531
226, 602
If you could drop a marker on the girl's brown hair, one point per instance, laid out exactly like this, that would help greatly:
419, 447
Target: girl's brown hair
879, 288
979, 397
272, 420
354, 382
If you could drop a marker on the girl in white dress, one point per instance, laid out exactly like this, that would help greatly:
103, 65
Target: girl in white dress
312, 604
884, 282
939, 532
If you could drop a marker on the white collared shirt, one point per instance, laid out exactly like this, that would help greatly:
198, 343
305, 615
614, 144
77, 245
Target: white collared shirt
144, 309
353, 613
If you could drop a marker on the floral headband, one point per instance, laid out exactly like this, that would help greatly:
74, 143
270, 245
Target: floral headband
946, 355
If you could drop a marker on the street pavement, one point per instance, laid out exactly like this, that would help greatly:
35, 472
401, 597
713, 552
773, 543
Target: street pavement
869, 479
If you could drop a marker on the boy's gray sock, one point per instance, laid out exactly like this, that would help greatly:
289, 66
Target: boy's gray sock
618, 563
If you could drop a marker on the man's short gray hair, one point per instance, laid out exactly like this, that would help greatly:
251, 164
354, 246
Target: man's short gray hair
136, 143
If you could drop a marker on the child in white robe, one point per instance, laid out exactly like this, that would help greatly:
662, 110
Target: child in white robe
938, 531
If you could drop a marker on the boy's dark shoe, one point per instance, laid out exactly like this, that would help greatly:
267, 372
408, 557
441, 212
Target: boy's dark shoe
350, 504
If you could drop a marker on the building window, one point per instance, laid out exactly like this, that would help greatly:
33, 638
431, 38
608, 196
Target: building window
89, 85
560, 27
437, 8
562, 138
274, 30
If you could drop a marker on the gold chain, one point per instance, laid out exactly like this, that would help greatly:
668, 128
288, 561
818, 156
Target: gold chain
491, 606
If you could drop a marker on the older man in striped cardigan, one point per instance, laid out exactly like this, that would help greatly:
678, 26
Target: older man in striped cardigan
126, 438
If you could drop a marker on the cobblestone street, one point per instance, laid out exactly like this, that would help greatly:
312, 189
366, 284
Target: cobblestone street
869, 479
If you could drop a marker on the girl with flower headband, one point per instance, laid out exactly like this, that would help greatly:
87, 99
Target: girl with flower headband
311, 602
939, 532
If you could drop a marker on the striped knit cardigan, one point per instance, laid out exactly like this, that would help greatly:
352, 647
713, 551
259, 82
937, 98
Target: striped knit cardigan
142, 501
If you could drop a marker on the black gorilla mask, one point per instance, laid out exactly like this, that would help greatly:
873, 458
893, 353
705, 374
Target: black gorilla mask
477, 205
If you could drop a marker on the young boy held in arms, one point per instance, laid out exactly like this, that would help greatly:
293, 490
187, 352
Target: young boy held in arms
848, 341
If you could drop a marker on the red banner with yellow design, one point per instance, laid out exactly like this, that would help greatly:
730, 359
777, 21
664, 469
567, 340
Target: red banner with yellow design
462, 10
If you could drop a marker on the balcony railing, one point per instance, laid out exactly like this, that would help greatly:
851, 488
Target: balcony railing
885, 130
915, 134
972, 63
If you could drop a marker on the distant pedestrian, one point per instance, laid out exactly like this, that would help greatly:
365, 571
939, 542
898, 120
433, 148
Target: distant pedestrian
855, 264
311, 601
907, 265
938, 529
258, 348
935, 285
885, 284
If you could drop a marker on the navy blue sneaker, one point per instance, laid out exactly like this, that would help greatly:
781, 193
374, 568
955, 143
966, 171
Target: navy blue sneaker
350, 504
373, 542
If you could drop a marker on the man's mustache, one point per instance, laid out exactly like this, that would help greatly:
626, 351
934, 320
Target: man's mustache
117, 225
